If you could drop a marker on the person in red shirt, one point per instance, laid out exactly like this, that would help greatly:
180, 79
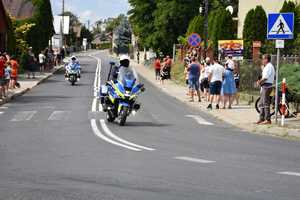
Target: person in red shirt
157, 67
14, 72
2, 78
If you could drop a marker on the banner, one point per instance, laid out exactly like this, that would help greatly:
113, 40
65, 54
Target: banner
57, 23
235, 48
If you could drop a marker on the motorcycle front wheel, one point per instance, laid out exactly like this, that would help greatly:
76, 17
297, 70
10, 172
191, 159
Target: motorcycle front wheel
110, 116
123, 116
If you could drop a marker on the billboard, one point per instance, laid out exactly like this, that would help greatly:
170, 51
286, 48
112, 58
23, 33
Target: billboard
231, 47
57, 23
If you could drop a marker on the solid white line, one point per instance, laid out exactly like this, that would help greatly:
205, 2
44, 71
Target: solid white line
110, 134
94, 105
23, 116
196, 160
105, 138
290, 173
200, 120
4, 108
1, 113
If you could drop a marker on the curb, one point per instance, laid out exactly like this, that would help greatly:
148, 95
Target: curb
25, 90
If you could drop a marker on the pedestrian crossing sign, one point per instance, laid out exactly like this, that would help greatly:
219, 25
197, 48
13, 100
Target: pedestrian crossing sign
280, 26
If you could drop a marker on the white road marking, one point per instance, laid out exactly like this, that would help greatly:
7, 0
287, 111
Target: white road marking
289, 173
23, 116
94, 105
110, 134
200, 120
195, 160
59, 115
100, 107
105, 138
1, 113
3, 108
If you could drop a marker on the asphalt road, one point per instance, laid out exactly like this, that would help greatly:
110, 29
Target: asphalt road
55, 144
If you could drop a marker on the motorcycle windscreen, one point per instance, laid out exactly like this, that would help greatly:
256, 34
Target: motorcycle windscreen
127, 77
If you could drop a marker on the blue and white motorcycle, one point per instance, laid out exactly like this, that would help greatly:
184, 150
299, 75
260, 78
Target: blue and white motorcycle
118, 97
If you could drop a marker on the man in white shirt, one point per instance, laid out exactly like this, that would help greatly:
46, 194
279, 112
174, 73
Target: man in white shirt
266, 83
216, 72
42, 61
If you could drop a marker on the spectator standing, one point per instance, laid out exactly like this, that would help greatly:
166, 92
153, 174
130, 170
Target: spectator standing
14, 72
164, 73
2, 77
230, 63
266, 83
216, 72
169, 66
205, 81
237, 83
7, 75
30, 63
42, 61
228, 87
194, 71
138, 57
157, 67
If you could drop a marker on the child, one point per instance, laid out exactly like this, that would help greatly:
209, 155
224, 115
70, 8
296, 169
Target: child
14, 73
7, 75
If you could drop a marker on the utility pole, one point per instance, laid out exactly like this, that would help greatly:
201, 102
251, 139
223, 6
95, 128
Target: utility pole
62, 23
205, 27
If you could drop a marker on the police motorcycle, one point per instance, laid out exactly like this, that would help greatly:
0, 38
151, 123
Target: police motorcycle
119, 95
72, 73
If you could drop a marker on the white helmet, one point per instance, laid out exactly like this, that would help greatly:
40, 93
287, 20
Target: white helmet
124, 57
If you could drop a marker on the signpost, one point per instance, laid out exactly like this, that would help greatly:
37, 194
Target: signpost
194, 40
280, 28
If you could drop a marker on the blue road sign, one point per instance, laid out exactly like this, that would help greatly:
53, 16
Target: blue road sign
194, 40
280, 26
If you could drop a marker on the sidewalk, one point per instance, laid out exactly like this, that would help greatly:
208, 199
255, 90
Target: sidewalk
242, 116
28, 84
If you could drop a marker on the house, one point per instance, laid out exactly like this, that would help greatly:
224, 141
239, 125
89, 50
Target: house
3, 28
270, 6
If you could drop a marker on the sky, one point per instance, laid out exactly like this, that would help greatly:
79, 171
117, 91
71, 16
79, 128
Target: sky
92, 10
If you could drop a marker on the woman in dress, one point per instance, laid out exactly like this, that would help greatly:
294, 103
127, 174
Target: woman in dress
228, 87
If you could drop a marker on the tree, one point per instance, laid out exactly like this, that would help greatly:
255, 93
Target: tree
221, 27
142, 20
255, 28
196, 26
122, 37
290, 6
38, 37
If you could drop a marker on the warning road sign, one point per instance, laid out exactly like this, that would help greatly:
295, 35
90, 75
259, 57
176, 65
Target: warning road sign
281, 26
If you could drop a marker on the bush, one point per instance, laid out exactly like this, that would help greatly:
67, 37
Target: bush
292, 74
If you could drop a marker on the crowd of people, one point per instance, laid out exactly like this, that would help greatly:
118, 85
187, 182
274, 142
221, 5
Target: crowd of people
10, 67
8, 74
212, 80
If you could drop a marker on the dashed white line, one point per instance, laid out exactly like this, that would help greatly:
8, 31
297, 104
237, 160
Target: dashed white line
115, 137
59, 115
290, 173
200, 120
3, 108
105, 138
1, 113
195, 160
24, 116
